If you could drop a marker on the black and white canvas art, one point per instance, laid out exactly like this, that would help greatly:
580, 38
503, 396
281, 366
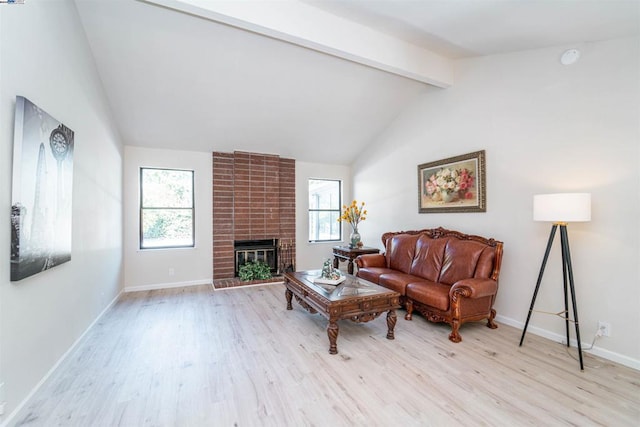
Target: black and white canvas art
41, 192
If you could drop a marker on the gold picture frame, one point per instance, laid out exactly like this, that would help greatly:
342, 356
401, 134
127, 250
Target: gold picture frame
455, 184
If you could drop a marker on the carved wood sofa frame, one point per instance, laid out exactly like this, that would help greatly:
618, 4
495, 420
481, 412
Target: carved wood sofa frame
469, 299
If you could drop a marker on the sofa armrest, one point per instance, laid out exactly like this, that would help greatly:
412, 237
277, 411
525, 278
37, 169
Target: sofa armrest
371, 260
474, 288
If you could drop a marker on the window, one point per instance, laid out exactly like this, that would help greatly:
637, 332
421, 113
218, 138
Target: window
324, 210
166, 208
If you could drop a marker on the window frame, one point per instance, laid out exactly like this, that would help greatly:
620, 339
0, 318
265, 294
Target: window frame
338, 210
142, 208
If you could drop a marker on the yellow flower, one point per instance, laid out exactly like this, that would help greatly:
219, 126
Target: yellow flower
353, 213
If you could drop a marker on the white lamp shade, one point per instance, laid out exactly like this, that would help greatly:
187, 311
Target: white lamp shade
562, 207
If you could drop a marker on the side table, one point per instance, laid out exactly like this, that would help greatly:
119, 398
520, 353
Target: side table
345, 253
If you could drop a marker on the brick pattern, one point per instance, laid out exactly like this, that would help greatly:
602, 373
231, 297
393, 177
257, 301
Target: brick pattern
287, 212
223, 218
253, 198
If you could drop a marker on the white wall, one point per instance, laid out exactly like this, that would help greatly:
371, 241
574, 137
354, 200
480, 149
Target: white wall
545, 128
150, 268
45, 58
311, 255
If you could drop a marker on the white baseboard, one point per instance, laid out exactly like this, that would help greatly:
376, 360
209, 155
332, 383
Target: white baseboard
152, 287
33, 391
596, 351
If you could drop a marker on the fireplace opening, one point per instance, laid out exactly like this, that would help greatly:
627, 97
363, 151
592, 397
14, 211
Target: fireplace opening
265, 250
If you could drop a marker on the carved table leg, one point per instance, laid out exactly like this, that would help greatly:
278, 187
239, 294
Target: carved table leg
391, 323
350, 266
336, 262
332, 332
288, 294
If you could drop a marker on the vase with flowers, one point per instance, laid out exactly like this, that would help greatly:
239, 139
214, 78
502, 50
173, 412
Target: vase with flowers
353, 214
447, 185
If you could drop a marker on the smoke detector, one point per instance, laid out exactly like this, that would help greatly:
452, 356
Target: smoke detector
570, 56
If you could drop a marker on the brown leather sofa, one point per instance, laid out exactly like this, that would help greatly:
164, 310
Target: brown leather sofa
445, 275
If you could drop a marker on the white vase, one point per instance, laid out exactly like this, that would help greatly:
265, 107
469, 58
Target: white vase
446, 196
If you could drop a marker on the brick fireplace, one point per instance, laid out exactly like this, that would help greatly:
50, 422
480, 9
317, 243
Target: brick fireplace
253, 199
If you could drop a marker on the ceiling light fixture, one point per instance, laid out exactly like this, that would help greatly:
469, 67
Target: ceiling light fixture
570, 56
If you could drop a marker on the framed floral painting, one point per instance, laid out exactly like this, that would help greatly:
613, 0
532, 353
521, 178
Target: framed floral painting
456, 184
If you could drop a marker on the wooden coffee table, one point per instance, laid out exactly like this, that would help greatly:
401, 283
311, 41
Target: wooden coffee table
355, 299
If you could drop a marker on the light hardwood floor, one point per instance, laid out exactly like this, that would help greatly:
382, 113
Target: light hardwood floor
199, 357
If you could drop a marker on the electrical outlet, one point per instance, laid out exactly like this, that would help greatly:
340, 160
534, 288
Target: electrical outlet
604, 328
172, 272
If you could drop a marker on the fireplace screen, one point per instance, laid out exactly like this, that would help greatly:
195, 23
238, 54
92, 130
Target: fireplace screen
256, 250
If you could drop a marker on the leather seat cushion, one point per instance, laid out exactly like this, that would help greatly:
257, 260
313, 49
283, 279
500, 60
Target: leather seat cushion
429, 293
396, 281
372, 274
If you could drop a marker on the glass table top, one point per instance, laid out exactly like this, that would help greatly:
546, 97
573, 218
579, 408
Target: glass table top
352, 286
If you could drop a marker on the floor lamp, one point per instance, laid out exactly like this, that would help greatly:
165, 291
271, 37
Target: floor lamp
561, 209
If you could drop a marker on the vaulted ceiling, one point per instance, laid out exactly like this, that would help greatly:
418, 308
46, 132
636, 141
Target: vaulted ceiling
180, 74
